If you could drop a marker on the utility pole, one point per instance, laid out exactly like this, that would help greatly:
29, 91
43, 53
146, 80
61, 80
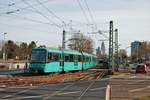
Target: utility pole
116, 50
111, 47
64, 40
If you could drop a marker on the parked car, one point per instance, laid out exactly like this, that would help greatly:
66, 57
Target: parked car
133, 66
141, 68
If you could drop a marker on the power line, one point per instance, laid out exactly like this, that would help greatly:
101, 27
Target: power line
28, 9
50, 11
83, 11
41, 14
92, 18
29, 19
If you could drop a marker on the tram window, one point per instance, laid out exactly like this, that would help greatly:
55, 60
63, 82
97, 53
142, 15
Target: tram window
76, 58
49, 57
79, 58
56, 57
71, 58
84, 59
90, 59
53, 57
67, 58
87, 59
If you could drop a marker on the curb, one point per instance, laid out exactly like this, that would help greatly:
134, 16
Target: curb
108, 93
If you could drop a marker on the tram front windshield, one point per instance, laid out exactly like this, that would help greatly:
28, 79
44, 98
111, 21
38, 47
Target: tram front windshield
38, 56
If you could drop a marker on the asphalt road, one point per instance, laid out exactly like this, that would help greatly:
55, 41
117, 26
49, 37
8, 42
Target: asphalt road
78, 90
130, 87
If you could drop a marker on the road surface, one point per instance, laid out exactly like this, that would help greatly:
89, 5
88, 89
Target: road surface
76, 90
130, 87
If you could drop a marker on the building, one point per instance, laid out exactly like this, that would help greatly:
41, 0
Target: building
98, 52
140, 51
103, 49
134, 47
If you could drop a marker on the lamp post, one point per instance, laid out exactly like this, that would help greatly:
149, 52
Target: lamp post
4, 51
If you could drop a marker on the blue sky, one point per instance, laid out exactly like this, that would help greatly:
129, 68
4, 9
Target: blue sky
131, 17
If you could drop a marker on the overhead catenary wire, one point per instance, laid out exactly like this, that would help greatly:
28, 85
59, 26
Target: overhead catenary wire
52, 13
28, 8
84, 13
90, 13
42, 14
30, 19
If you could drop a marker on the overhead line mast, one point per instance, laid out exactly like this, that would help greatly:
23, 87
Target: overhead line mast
111, 48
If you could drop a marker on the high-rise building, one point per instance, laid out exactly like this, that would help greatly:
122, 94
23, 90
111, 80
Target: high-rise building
103, 49
98, 52
134, 48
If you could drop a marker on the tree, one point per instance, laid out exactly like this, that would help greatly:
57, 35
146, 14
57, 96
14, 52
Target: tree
81, 43
12, 50
23, 50
31, 45
123, 55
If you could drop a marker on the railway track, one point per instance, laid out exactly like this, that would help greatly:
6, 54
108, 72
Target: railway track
46, 79
100, 75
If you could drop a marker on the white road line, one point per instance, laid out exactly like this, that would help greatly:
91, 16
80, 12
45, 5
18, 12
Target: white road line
47, 97
27, 97
16, 93
98, 88
21, 87
132, 77
85, 90
80, 91
134, 82
69, 93
139, 89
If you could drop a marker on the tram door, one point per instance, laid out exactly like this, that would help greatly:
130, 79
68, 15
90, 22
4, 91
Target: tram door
75, 62
61, 62
84, 62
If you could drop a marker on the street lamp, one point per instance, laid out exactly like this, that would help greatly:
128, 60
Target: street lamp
4, 51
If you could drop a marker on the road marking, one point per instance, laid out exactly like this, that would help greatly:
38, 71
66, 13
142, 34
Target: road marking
27, 97
69, 93
19, 92
98, 88
139, 89
47, 97
16, 93
80, 91
21, 87
108, 93
132, 77
85, 90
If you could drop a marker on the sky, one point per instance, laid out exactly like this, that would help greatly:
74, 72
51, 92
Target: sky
38, 20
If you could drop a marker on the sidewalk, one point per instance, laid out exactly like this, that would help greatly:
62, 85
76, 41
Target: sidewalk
129, 87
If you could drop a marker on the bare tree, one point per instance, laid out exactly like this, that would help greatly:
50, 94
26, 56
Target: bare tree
81, 43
